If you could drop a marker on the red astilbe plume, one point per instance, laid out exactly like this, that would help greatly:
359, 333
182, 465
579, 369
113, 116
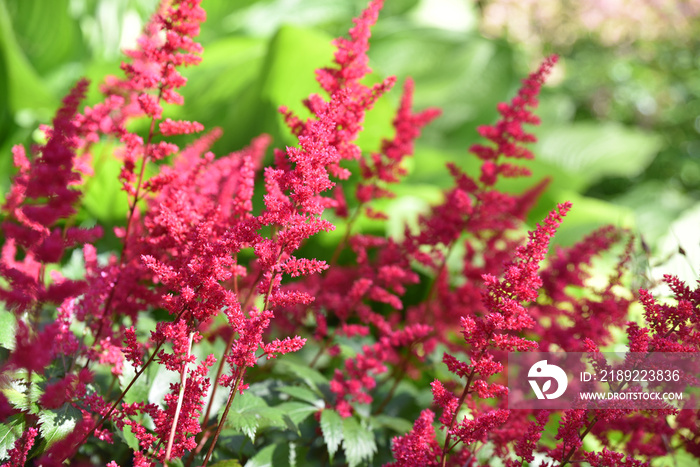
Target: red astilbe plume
591, 316
476, 213
350, 99
23, 444
151, 77
42, 195
417, 447
670, 327
385, 167
496, 330
508, 134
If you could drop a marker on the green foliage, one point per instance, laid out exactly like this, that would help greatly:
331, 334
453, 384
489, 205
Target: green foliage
54, 425
332, 429
8, 324
358, 442
9, 432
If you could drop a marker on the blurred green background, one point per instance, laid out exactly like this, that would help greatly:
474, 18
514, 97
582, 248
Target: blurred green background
621, 113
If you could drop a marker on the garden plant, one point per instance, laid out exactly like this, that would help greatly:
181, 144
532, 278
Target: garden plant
217, 333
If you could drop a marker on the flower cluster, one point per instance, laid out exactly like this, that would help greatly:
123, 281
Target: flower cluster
214, 282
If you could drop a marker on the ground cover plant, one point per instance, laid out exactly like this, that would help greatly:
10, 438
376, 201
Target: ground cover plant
215, 333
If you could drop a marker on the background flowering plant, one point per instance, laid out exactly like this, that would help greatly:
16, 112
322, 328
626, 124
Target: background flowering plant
216, 332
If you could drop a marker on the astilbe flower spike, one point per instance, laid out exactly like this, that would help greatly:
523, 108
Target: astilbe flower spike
187, 243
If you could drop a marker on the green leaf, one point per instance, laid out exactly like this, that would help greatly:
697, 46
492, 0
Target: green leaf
27, 91
304, 394
308, 375
297, 411
139, 391
9, 432
263, 458
55, 425
227, 463
130, 439
284, 455
16, 392
244, 414
302, 50
592, 150
291, 425
103, 196
332, 429
8, 324
358, 442
399, 425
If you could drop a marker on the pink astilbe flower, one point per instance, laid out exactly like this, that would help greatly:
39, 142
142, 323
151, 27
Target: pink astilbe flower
508, 133
506, 315
18, 454
385, 166
526, 445
418, 446
612, 459
41, 196
588, 317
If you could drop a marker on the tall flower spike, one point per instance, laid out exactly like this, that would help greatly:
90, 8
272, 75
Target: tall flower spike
508, 135
42, 195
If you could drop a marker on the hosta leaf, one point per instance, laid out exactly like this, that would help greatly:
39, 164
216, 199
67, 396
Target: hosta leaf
332, 429
54, 425
103, 196
593, 150
358, 442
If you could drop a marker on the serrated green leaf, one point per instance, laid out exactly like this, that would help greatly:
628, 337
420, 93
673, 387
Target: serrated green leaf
245, 401
7, 329
358, 442
16, 394
246, 413
245, 422
54, 425
263, 458
332, 429
9, 432
304, 394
